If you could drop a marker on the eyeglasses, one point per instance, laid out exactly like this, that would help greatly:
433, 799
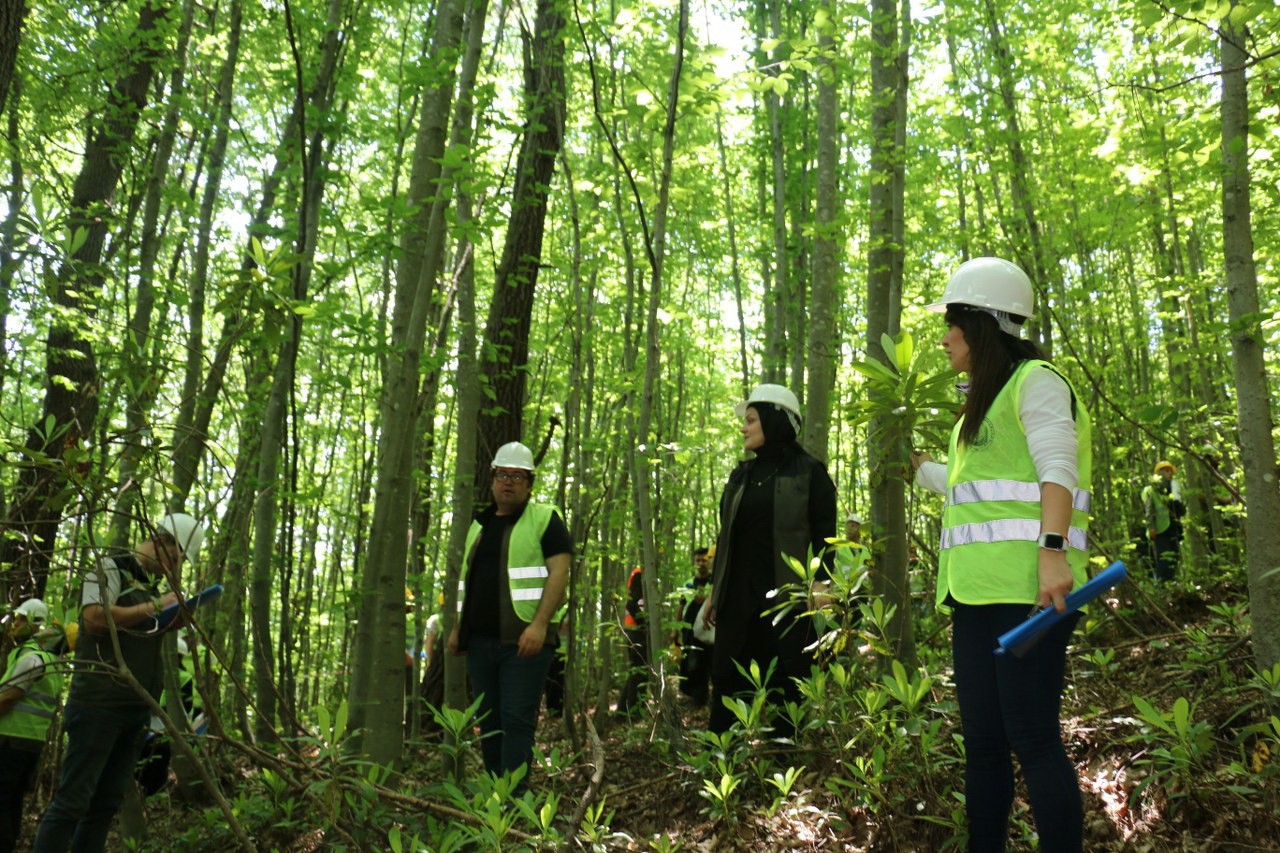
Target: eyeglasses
505, 477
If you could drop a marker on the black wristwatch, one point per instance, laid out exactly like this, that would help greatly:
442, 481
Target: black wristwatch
1052, 542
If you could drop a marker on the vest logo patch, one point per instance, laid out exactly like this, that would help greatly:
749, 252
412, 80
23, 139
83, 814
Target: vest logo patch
986, 434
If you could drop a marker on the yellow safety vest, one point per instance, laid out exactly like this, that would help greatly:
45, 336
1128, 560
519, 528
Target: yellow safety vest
525, 565
30, 717
991, 521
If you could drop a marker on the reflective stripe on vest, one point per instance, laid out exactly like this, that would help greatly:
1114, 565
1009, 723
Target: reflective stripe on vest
1009, 490
1007, 530
991, 520
526, 567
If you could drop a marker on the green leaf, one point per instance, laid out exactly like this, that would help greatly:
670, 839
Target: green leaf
1182, 715
890, 351
340, 724
78, 238
874, 370
255, 249
904, 349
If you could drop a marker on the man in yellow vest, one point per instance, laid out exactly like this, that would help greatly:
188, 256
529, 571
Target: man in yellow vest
1163, 508
515, 572
28, 700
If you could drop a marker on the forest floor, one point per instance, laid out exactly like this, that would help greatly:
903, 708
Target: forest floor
1195, 769
1204, 779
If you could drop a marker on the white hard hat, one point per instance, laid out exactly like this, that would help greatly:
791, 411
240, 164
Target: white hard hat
776, 394
36, 611
513, 454
991, 283
854, 517
186, 532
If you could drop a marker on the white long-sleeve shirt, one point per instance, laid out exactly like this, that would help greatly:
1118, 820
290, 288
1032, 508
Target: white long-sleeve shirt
1051, 434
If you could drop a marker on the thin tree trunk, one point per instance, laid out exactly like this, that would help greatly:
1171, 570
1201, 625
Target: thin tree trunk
310, 147
188, 430
12, 15
1020, 176
8, 244
506, 334
777, 297
657, 249
824, 343
887, 456
731, 229
1253, 400
468, 379
376, 691
137, 364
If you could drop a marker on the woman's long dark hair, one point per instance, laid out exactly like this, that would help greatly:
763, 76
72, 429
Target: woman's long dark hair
993, 357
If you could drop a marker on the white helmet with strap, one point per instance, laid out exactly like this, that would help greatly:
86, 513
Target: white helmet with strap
994, 285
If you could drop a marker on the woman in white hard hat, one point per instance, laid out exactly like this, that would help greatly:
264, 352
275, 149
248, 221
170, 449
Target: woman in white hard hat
1014, 526
780, 502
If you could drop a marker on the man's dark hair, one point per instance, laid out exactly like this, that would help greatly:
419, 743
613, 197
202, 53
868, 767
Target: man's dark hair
701, 552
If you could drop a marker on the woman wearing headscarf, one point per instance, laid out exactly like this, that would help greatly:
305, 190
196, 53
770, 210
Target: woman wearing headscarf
778, 503
1017, 482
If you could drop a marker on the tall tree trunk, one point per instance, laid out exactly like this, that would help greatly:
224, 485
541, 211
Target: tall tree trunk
310, 149
138, 365
776, 298
506, 334
12, 15
70, 407
1253, 400
1033, 253
645, 473
731, 230
376, 692
887, 456
8, 262
468, 379
824, 344
188, 430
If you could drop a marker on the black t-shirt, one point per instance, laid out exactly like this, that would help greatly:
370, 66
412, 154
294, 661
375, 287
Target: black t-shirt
481, 616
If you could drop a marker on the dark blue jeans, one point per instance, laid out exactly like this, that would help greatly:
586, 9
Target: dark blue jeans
510, 691
1012, 704
1164, 550
102, 744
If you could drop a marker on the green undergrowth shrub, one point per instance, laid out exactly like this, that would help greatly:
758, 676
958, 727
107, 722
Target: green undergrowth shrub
342, 802
871, 745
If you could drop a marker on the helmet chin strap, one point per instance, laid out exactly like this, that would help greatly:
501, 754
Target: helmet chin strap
1004, 320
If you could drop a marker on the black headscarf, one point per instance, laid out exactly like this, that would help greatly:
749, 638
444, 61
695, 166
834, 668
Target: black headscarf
776, 427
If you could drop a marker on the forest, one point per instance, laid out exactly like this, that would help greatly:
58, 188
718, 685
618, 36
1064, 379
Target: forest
298, 268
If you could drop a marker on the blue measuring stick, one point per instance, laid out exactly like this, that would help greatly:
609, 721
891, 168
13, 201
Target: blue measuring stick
1017, 641
164, 617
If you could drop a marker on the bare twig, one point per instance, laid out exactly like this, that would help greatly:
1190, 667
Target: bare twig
597, 776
